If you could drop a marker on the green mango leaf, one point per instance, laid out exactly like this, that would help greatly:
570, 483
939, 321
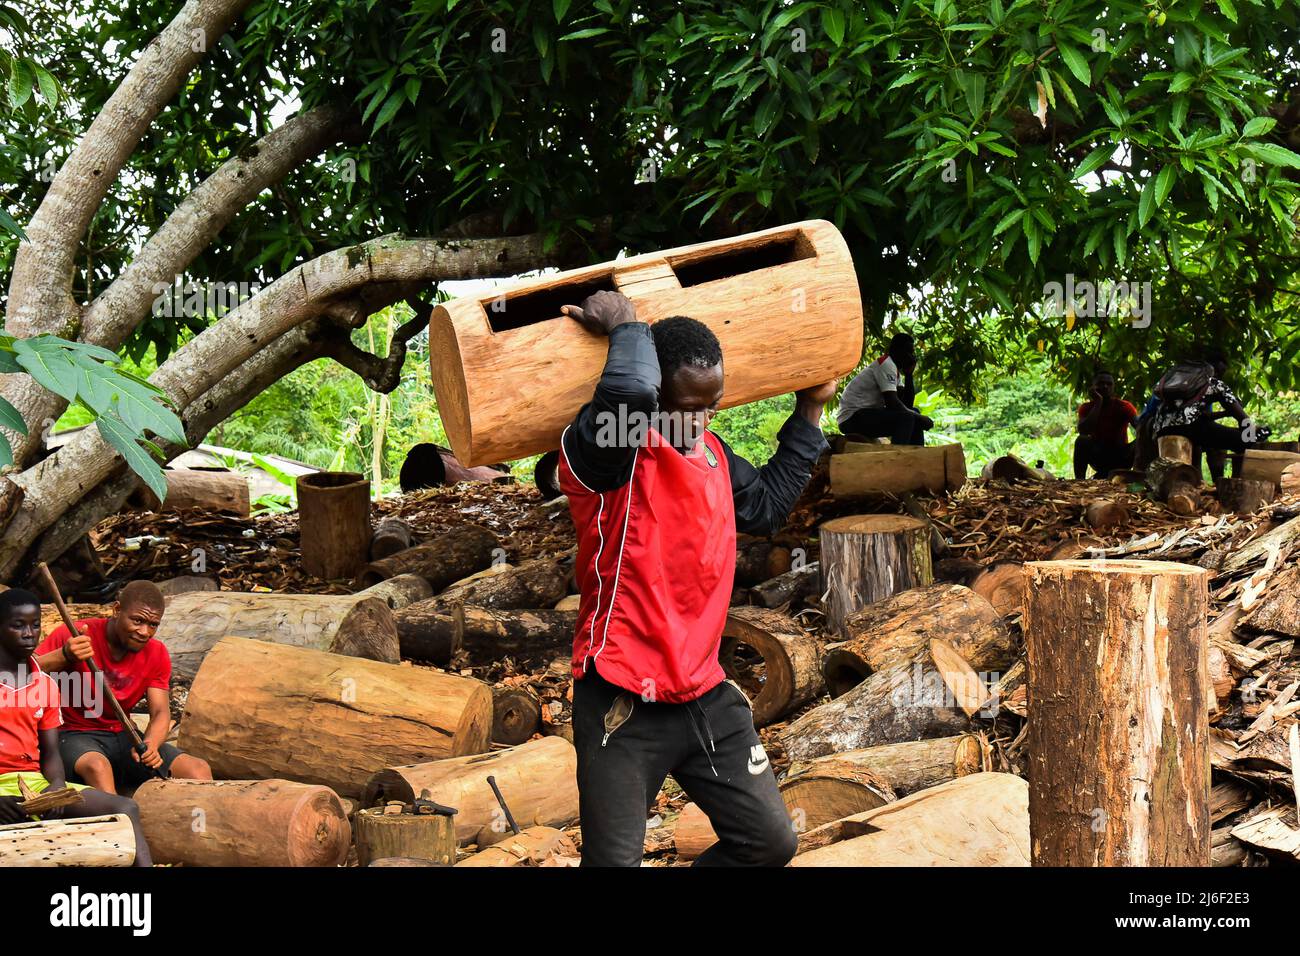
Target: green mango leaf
1076, 63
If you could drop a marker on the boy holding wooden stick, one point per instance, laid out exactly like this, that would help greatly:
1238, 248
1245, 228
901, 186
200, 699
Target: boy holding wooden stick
30, 718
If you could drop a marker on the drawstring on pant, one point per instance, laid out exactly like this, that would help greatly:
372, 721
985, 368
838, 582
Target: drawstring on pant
698, 736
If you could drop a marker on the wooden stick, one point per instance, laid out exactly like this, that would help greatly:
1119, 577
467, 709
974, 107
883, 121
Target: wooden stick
136, 740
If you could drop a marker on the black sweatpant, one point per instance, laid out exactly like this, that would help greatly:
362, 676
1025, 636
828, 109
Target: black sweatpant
627, 746
899, 425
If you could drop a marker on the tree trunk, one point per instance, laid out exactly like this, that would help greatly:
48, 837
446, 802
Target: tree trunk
537, 636
334, 523
353, 625
541, 582
390, 536
457, 554
243, 823
260, 710
538, 781
1119, 734
894, 631
979, 820
865, 558
895, 470
904, 701
400, 591
516, 715
1003, 586
85, 841
1244, 496
488, 361
797, 584
196, 489
831, 789
910, 766
411, 836
789, 670
532, 846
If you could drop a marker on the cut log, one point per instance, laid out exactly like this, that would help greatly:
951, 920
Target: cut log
693, 833
904, 701
516, 715
333, 523
831, 789
910, 766
961, 571
797, 584
788, 670
538, 781
532, 846
1119, 734
978, 820
430, 632
759, 559
541, 582
897, 469
186, 584
570, 602
1175, 448
259, 710
390, 536
351, 624
1102, 514
200, 489
459, 552
400, 591
495, 353
1169, 479
243, 823
413, 836
1289, 481
1244, 496
1268, 465
896, 630
1278, 611
1012, 469
84, 841
1003, 586
865, 558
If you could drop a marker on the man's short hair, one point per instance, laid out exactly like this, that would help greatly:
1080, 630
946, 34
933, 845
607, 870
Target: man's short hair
1100, 372
681, 341
142, 594
902, 344
16, 597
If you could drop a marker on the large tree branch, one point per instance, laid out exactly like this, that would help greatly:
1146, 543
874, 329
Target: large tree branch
56, 484
40, 291
381, 374
116, 312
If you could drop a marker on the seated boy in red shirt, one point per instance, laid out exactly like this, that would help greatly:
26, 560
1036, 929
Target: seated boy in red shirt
1104, 422
96, 747
29, 727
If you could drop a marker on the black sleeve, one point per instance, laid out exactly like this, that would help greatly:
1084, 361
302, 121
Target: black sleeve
597, 449
764, 496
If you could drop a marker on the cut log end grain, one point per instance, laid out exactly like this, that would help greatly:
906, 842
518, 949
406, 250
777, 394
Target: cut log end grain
1003, 586
1118, 693
243, 823
788, 661
1104, 514
830, 789
516, 715
1176, 448
390, 536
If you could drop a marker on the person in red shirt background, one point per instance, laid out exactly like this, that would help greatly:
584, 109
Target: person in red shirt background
1104, 422
30, 717
95, 746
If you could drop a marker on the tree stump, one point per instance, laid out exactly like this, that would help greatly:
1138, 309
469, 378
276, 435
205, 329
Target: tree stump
355, 625
1244, 496
693, 833
84, 841
333, 523
390, 536
1119, 769
382, 835
538, 780
1272, 466
788, 670
457, 554
259, 710
243, 823
894, 631
516, 715
865, 558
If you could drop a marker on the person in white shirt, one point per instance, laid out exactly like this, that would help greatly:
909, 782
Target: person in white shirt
872, 406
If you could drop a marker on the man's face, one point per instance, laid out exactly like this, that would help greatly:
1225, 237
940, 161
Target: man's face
1104, 385
906, 361
21, 631
136, 625
690, 398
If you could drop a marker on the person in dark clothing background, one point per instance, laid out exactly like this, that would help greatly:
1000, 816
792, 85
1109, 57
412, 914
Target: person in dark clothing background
1193, 415
1104, 422
656, 500
877, 403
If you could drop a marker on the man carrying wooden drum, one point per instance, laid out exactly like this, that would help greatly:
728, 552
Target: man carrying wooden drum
657, 500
